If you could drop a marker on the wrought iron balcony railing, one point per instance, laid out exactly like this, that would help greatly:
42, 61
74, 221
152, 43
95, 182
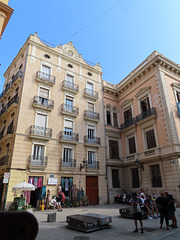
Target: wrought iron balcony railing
91, 93
71, 163
91, 115
14, 78
44, 102
45, 77
40, 131
129, 123
38, 160
13, 100
69, 85
19, 74
92, 140
149, 112
4, 160
69, 136
93, 165
69, 109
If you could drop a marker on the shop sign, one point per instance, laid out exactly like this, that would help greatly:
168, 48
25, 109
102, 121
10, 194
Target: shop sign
6, 177
51, 176
52, 181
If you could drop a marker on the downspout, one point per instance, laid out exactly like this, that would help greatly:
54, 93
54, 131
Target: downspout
105, 147
20, 95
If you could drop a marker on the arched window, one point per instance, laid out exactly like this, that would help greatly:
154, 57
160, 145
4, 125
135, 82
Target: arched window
115, 119
108, 115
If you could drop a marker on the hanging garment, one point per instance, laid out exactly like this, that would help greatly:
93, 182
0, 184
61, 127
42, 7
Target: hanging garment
66, 184
31, 180
62, 182
27, 195
59, 189
43, 194
36, 182
71, 181
39, 183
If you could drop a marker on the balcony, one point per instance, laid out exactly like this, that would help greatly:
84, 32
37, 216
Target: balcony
94, 141
38, 162
91, 116
90, 94
43, 103
69, 86
92, 167
40, 132
128, 124
69, 110
148, 113
17, 77
4, 160
69, 137
9, 86
11, 105
45, 78
66, 164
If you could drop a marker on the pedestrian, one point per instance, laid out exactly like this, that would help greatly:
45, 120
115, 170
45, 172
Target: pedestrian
144, 207
171, 209
59, 200
162, 204
137, 215
151, 205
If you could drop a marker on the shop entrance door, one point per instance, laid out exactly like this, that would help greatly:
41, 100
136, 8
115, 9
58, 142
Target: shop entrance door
92, 190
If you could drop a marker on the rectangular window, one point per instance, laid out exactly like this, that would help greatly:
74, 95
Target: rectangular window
156, 176
67, 155
38, 152
41, 120
150, 139
44, 93
89, 87
68, 127
90, 106
90, 133
69, 103
91, 157
115, 119
108, 116
70, 78
46, 72
178, 96
135, 178
113, 149
132, 145
145, 105
115, 178
127, 115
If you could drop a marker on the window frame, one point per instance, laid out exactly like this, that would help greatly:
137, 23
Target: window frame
156, 181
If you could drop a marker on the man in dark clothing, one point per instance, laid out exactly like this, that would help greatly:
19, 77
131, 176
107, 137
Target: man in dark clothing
162, 204
136, 203
171, 209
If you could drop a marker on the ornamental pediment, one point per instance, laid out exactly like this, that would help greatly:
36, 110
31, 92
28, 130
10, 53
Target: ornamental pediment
127, 103
142, 92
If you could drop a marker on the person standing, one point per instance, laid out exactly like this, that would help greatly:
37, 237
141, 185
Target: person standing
59, 200
171, 209
137, 215
162, 203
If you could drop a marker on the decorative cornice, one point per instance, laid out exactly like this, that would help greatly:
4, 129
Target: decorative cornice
152, 62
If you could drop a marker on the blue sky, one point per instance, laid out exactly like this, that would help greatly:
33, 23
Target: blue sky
119, 40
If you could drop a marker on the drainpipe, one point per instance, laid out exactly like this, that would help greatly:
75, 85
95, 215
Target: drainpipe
105, 146
20, 95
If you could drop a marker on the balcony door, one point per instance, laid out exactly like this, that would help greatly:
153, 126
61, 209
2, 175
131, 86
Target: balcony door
46, 71
43, 96
41, 121
90, 88
38, 153
69, 103
67, 157
91, 159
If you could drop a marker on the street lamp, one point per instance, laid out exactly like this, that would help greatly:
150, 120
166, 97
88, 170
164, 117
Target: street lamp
83, 165
139, 164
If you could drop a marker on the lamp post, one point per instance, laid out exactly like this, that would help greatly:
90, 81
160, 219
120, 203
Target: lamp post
139, 164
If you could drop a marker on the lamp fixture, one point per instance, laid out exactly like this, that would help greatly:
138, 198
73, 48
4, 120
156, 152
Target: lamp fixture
83, 164
139, 164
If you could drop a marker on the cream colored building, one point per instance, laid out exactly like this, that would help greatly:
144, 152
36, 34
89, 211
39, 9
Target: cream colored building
51, 119
5, 14
142, 124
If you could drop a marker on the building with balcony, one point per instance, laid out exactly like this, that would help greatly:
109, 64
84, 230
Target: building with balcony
5, 14
142, 122
44, 115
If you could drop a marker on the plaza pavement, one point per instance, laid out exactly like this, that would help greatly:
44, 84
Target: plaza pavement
121, 228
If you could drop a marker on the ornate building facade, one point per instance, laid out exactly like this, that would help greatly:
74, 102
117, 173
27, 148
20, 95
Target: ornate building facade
5, 14
51, 121
142, 123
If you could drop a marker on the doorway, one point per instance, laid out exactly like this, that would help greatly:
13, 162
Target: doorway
92, 190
